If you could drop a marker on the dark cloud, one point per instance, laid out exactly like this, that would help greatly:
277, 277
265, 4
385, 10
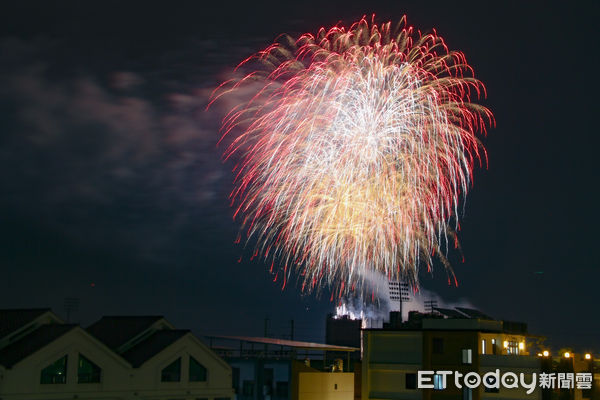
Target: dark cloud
89, 141
113, 177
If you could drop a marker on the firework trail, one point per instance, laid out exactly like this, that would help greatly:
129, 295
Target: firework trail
355, 152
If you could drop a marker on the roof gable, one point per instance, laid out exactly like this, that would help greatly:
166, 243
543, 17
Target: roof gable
12, 320
152, 345
117, 331
36, 340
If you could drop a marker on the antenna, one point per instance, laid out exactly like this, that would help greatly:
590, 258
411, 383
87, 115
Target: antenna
71, 304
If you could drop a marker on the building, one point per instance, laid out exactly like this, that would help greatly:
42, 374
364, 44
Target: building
569, 365
343, 331
451, 340
117, 358
278, 369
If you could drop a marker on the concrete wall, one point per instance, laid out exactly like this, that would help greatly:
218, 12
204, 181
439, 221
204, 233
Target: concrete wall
326, 386
462, 324
387, 357
527, 365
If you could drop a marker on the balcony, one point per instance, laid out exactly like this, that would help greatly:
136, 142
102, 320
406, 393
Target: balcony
509, 361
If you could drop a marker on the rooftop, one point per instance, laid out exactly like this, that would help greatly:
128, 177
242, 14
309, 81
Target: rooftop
289, 343
13, 320
44, 335
115, 331
152, 345
459, 319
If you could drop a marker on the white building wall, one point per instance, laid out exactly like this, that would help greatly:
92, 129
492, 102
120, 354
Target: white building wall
119, 380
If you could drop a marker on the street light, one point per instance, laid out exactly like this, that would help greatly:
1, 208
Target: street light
567, 354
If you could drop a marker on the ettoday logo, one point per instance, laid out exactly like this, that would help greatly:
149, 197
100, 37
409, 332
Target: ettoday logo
472, 380
509, 380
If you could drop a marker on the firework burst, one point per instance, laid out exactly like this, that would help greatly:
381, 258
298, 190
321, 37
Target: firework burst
355, 152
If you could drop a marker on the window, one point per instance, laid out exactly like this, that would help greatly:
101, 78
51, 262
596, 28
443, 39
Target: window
512, 347
197, 371
248, 388
483, 345
438, 382
411, 381
281, 389
467, 393
172, 372
55, 372
467, 356
438, 345
235, 377
87, 371
268, 381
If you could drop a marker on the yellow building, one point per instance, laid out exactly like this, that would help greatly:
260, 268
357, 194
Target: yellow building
392, 358
116, 358
313, 384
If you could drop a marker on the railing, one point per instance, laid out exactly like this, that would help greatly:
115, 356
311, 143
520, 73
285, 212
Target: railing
512, 361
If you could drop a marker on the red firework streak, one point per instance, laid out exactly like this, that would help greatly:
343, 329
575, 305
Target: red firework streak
355, 146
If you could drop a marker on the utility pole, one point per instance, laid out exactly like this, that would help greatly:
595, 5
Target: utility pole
266, 326
266, 334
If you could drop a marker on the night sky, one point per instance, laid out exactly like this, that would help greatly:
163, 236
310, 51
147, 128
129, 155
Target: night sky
113, 188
